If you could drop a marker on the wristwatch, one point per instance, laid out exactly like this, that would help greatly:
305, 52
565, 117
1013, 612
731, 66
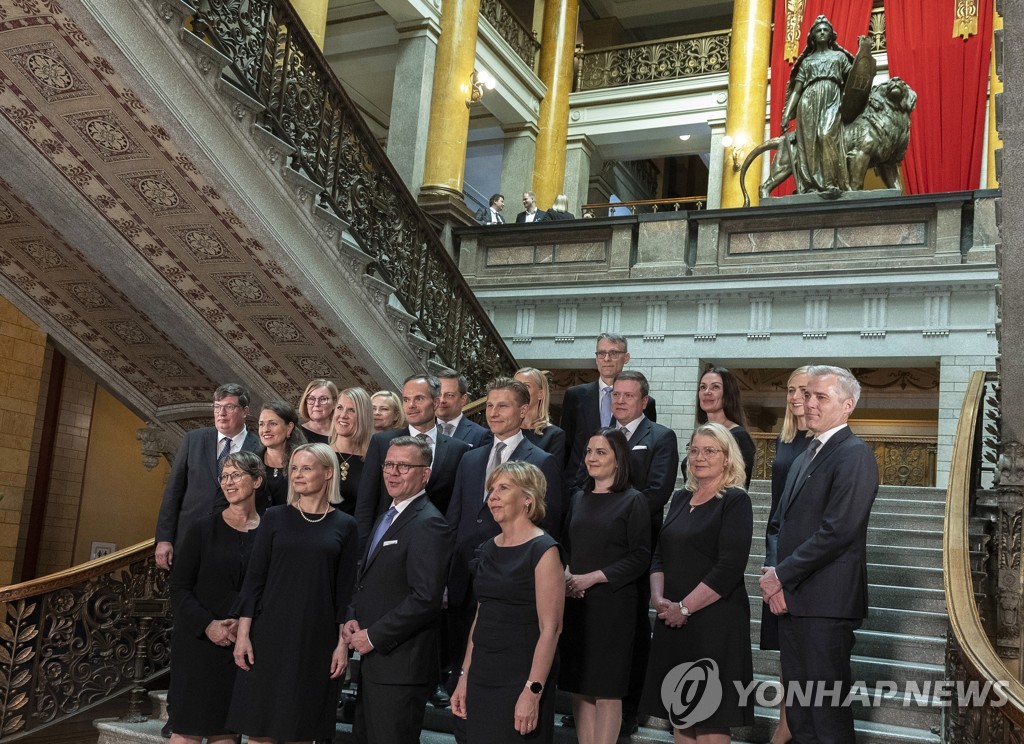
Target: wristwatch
535, 687
684, 609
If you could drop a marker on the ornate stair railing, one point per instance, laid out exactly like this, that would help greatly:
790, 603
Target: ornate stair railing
73, 639
274, 60
504, 20
970, 655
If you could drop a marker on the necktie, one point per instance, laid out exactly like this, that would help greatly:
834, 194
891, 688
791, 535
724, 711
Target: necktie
449, 430
812, 450
606, 405
494, 462
225, 450
625, 432
389, 517
501, 221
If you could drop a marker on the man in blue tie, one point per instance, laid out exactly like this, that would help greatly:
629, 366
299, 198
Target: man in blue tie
395, 611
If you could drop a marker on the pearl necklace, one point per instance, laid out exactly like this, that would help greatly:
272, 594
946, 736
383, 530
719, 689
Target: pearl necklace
312, 521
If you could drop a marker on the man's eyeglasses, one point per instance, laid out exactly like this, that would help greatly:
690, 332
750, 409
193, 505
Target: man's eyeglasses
232, 477
226, 407
402, 468
311, 401
708, 452
613, 354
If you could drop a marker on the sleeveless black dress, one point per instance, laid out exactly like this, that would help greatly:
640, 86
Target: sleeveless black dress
503, 644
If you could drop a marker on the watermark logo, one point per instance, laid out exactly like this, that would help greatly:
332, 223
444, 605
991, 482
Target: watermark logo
691, 692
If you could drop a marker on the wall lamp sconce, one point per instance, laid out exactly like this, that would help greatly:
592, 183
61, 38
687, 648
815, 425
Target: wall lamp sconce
739, 149
477, 82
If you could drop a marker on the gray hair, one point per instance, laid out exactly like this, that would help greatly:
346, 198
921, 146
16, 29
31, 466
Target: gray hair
615, 338
846, 383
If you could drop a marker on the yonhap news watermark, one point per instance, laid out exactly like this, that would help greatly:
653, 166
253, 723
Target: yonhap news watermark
692, 692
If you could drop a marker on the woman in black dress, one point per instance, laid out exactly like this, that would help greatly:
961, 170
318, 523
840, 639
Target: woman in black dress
537, 426
280, 433
317, 408
608, 539
718, 402
698, 592
387, 411
291, 609
792, 441
353, 427
506, 685
208, 568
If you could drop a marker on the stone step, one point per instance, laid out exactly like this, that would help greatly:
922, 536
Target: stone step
895, 555
904, 506
883, 645
885, 595
881, 573
113, 731
868, 670
884, 533
763, 489
159, 699
887, 620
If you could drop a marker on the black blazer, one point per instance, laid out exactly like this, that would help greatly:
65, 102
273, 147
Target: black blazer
471, 519
653, 460
817, 539
373, 499
556, 216
541, 216
472, 433
551, 440
193, 486
581, 417
399, 593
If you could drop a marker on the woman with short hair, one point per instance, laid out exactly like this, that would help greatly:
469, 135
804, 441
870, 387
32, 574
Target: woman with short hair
316, 406
387, 411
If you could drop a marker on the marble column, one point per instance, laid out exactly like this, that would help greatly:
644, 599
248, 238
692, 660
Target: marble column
716, 162
749, 61
579, 150
448, 134
558, 45
410, 101
314, 15
517, 167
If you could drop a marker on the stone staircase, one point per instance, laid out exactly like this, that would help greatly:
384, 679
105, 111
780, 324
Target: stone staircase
903, 639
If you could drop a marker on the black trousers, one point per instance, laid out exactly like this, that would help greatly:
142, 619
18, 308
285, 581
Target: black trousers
815, 654
390, 714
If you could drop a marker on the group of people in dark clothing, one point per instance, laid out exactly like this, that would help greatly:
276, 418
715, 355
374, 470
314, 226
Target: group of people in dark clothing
502, 562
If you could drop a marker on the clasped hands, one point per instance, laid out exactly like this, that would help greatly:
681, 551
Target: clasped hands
771, 591
576, 585
669, 612
356, 638
222, 632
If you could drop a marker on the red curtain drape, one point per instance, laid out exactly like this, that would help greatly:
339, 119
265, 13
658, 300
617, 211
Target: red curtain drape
950, 76
850, 18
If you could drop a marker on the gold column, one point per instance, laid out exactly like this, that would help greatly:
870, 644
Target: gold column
314, 15
749, 56
556, 66
995, 85
449, 114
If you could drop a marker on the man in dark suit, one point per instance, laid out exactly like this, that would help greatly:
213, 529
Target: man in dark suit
492, 215
588, 407
397, 602
653, 462
453, 398
508, 402
815, 572
419, 400
530, 212
193, 486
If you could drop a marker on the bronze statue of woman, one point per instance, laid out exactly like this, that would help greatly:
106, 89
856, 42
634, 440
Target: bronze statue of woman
813, 98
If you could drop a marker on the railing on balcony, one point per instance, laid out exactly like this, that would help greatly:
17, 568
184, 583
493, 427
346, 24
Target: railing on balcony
675, 58
519, 36
902, 460
970, 655
646, 206
654, 61
73, 639
274, 60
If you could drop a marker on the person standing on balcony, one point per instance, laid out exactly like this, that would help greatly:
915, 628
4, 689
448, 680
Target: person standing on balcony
560, 209
453, 398
493, 214
588, 407
530, 212
193, 486
815, 569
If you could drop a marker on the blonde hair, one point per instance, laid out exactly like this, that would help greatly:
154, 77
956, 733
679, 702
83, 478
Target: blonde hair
399, 422
735, 474
364, 419
325, 456
313, 385
789, 430
539, 379
528, 478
